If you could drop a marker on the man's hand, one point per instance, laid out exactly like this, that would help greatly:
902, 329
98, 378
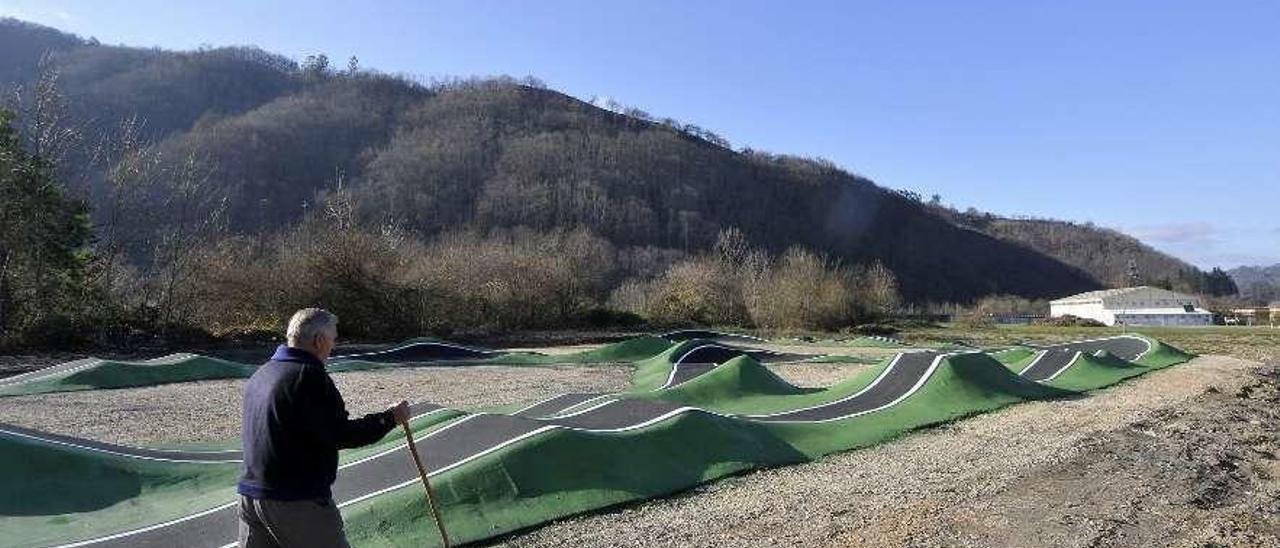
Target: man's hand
401, 412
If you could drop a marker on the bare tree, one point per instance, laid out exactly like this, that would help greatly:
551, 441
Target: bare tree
196, 218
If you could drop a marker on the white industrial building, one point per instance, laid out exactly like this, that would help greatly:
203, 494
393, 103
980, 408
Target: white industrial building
1133, 306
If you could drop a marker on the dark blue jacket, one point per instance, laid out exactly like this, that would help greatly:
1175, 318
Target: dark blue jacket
294, 424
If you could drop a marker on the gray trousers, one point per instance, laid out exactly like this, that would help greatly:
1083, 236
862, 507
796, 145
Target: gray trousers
290, 524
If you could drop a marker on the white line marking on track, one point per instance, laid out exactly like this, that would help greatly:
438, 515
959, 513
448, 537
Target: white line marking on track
176, 521
535, 404
1065, 367
160, 459
937, 361
149, 527
1033, 363
675, 366
893, 364
608, 400
933, 366
116, 453
63, 372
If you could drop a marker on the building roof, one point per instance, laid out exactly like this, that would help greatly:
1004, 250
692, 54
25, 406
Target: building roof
1094, 295
1173, 311
1106, 293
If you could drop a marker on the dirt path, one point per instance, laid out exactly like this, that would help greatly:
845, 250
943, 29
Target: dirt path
1181, 457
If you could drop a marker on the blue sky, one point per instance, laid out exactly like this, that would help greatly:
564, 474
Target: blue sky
1161, 119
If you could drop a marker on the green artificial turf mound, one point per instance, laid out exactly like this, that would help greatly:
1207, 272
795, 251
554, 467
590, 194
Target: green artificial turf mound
630, 350
724, 421
745, 386
54, 493
95, 374
1015, 357
1090, 370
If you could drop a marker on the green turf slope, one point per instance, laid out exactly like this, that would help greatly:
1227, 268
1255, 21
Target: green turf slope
1162, 355
53, 493
1090, 372
561, 472
745, 386
1015, 358
630, 350
176, 368
962, 385
125, 374
652, 372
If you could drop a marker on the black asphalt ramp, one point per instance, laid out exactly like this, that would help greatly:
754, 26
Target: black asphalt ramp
1056, 357
897, 381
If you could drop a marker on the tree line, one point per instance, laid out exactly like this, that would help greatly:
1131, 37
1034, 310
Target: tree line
185, 161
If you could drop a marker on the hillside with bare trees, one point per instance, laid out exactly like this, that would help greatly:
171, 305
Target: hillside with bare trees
192, 161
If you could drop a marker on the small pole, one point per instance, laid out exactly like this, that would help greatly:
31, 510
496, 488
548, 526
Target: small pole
422, 473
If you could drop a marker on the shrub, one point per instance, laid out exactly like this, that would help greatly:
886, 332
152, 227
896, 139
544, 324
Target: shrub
802, 291
1069, 321
701, 290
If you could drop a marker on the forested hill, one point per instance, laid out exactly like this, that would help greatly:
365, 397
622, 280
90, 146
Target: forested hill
1259, 284
272, 137
1111, 257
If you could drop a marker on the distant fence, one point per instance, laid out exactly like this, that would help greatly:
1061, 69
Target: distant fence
1017, 319
932, 318
1002, 319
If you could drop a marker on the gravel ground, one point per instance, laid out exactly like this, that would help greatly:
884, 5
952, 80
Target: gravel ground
1181, 457
210, 410
816, 375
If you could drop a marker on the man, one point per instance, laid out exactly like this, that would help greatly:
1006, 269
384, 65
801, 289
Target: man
294, 424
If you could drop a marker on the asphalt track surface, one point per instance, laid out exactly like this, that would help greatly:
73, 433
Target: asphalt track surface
473, 436
1054, 360
18, 432
164, 455
70, 367
409, 353
901, 378
556, 404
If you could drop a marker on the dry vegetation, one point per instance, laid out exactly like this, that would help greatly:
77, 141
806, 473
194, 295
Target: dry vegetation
389, 284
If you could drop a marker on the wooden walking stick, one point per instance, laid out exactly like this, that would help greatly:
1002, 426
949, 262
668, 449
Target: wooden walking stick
422, 473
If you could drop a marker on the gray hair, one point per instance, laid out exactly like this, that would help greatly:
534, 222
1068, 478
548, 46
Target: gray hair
309, 322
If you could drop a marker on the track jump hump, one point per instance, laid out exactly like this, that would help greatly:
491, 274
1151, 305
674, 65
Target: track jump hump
1053, 360
421, 351
577, 452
